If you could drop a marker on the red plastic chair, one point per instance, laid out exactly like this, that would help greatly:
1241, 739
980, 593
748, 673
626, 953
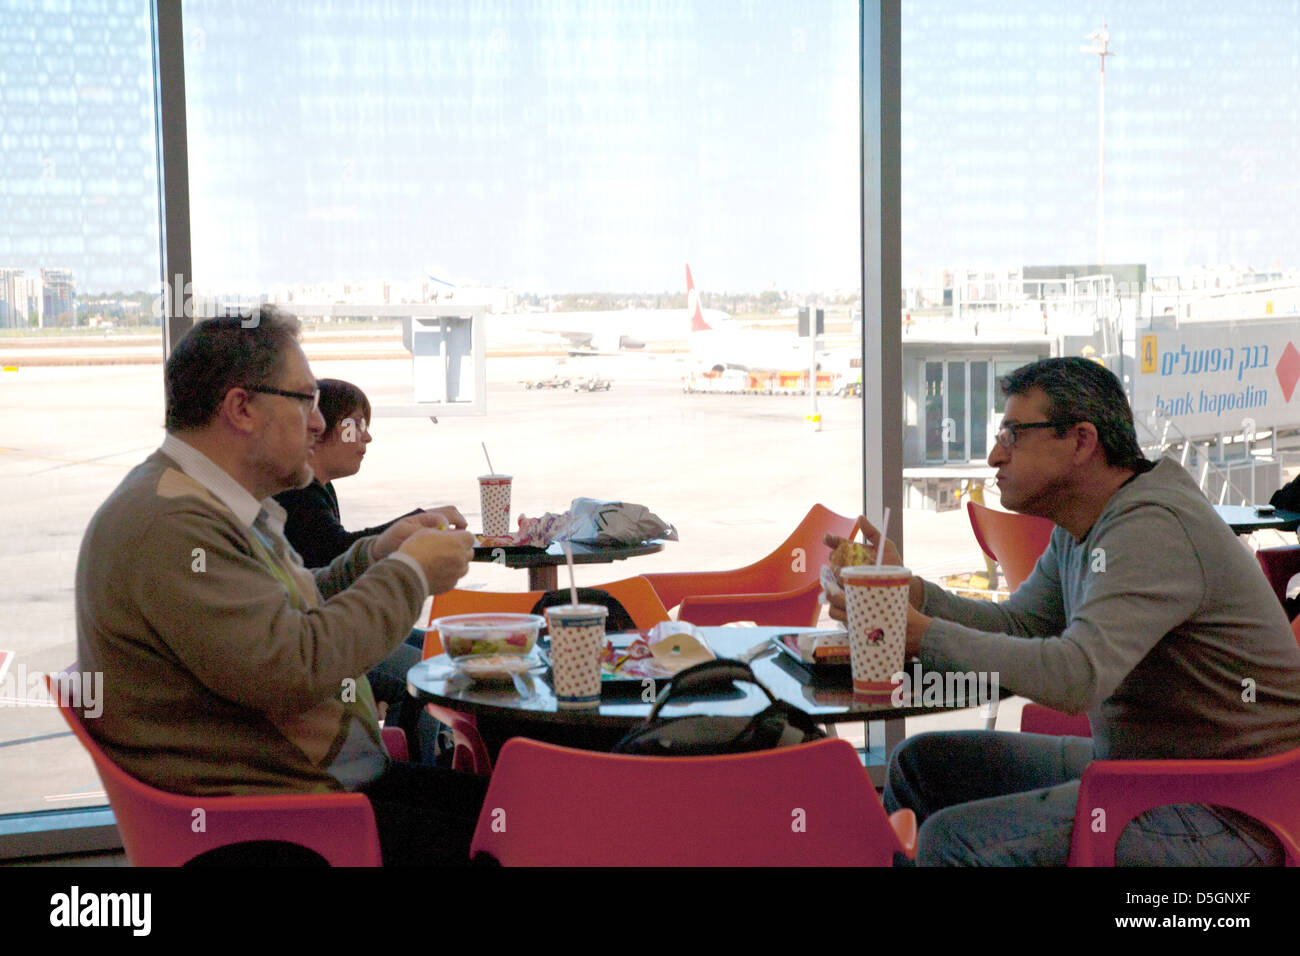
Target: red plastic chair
1266, 788
770, 591
1037, 719
798, 806
1280, 565
1014, 541
157, 827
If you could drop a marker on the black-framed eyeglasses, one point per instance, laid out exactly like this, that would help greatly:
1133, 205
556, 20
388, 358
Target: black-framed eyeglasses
312, 398
1006, 436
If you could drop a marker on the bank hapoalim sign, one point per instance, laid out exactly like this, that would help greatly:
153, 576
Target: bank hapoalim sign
1221, 378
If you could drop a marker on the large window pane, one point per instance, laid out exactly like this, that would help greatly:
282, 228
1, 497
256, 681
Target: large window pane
557, 164
1021, 238
79, 270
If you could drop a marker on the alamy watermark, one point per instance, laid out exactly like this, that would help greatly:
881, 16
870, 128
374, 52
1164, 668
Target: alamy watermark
20, 687
919, 688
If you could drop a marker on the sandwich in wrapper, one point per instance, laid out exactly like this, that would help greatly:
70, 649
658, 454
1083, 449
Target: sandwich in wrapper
826, 647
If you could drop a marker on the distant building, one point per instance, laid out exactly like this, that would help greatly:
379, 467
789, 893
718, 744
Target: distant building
13, 299
21, 300
59, 294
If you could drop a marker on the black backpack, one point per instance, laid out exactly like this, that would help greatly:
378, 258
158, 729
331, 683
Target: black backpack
777, 725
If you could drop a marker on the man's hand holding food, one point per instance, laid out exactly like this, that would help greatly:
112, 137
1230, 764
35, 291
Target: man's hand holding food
846, 553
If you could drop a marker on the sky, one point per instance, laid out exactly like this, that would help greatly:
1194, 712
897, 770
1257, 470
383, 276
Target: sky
580, 145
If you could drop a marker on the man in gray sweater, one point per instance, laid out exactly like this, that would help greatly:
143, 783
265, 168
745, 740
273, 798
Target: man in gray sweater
228, 667
1145, 612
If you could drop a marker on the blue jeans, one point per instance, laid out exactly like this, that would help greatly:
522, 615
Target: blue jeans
988, 798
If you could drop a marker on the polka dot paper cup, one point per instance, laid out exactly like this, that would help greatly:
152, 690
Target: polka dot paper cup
494, 499
876, 600
577, 639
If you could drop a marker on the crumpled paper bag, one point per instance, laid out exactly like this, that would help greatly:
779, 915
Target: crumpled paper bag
615, 522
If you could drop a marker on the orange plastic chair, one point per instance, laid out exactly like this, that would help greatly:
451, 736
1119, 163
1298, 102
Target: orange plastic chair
797, 806
1015, 541
1266, 788
1280, 565
636, 595
770, 591
639, 599
157, 827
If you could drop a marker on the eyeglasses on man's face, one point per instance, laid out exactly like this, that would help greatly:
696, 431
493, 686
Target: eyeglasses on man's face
1006, 436
311, 398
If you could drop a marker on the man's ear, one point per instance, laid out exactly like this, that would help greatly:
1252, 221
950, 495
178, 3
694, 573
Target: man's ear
235, 411
1089, 443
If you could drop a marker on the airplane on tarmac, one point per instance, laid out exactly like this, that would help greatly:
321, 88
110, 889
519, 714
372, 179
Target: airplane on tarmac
716, 342
606, 333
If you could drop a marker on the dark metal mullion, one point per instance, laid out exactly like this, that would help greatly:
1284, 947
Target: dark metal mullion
882, 345
173, 170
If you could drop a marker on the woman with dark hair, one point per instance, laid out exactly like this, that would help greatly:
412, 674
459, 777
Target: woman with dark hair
314, 528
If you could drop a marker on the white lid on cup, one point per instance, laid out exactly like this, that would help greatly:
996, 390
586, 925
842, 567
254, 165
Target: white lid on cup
583, 612
874, 571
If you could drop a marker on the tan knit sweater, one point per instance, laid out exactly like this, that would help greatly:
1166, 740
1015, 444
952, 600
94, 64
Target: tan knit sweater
213, 682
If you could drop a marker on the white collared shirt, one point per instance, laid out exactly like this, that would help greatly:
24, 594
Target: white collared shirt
238, 499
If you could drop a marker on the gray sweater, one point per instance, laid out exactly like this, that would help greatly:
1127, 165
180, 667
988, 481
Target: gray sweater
1159, 624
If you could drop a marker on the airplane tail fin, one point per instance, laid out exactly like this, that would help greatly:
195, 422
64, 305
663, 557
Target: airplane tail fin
693, 305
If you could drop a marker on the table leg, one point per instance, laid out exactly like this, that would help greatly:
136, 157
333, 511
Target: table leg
543, 578
888, 734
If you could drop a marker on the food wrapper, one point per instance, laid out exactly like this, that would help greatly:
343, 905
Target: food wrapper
820, 647
616, 522
677, 645
635, 660
849, 554
542, 532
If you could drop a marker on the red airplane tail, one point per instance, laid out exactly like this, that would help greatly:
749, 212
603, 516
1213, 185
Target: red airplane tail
693, 305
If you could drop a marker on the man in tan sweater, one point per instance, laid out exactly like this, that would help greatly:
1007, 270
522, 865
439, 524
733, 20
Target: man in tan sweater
228, 667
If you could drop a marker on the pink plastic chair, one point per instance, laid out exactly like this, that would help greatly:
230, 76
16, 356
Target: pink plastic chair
157, 827
1037, 719
1014, 541
797, 806
470, 754
1280, 565
1267, 788
780, 589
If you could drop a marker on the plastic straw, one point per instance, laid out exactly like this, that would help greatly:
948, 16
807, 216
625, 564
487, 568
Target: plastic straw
884, 532
573, 584
491, 470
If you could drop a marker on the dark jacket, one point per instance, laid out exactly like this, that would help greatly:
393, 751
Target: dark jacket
313, 526
1288, 496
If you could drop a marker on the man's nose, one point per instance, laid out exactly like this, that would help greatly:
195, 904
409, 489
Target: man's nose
998, 455
316, 423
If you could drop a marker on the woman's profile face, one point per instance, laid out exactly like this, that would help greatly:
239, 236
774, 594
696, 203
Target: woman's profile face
339, 454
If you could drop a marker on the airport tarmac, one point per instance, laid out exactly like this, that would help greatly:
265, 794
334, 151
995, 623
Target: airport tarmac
733, 473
